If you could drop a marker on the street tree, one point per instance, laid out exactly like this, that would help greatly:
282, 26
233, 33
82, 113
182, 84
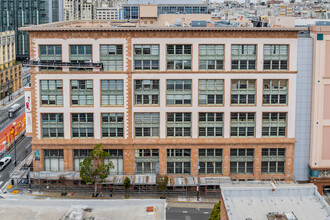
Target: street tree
93, 170
127, 185
162, 181
215, 214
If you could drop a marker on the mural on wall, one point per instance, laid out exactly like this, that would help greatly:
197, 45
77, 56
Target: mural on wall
28, 115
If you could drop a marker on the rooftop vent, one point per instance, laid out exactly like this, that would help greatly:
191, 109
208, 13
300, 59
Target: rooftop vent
281, 216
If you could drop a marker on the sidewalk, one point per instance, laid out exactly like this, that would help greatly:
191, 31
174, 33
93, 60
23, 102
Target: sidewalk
7, 104
172, 201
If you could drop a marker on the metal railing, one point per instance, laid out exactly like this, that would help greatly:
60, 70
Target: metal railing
56, 64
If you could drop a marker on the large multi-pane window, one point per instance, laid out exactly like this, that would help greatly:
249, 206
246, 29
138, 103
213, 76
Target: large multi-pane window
178, 161
210, 161
243, 57
81, 53
242, 124
52, 125
178, 92
273, 160
275, 91
50, 53
210, 124
112, 125
146, 124
210, 92
178, 124
146, 57
116, 157
211, 57
146, 92
82, 125
274, 124
78, 157
276, 57
51, 92
112, 92
81, 92
112, 57
241, 161
243, 91
53, 160
146, 161
178, 57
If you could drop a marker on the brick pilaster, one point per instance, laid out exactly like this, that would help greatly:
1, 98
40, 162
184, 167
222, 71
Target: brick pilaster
226, 161
162, 161
257, 162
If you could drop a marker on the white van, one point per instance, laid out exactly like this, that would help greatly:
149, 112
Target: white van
4, 162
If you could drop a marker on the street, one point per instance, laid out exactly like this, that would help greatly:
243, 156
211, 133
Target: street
174, 213
4, 118
21, 154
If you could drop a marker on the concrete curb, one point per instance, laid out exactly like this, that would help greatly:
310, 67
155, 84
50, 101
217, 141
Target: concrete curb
174, 201
77, 197
87, 197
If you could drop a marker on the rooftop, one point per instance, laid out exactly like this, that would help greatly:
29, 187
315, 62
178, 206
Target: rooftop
103, 25
258, 201
26, 207
165, 2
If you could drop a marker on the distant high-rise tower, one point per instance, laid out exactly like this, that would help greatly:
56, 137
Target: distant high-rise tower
15, 14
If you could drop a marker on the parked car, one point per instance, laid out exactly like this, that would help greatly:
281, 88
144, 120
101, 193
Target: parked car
4, 162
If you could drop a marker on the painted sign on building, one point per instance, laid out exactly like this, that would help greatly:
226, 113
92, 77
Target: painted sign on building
28, 115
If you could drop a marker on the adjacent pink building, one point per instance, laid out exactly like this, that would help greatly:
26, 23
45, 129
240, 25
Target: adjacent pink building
320, 120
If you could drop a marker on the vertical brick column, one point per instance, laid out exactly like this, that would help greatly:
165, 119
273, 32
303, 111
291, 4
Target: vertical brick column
68, 159
289, 161
129, 161
162, 161
194, 161
34, 105
226, 161
257, 162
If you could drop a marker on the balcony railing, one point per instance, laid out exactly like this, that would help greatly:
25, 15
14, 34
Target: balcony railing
54, 64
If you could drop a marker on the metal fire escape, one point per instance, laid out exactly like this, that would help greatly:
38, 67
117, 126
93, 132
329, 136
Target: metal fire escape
55, 64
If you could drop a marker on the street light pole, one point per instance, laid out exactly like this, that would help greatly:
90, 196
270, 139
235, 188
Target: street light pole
198, 167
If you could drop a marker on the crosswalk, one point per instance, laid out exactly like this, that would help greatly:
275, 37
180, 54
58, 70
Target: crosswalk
1, 182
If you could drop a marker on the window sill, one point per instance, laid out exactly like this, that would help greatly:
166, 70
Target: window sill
146, 105
47, 106
75, 106
105, 106
275, 105
179, 105
211, 105
242, 137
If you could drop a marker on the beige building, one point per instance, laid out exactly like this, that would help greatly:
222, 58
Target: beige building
162, 100
320, 121
10, 72
78, 10
149, 16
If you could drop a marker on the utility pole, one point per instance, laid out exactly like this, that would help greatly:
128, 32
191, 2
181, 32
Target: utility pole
198, 167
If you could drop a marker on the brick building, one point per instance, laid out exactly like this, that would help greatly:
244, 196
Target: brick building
10, 71
163, 99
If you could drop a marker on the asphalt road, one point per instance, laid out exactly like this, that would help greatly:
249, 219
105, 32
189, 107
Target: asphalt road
4, 118
187, 213
21, 154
